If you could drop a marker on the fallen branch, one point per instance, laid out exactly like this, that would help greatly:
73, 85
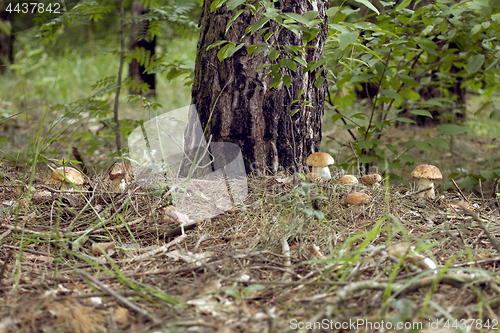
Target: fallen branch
476, 218
101, 286
285, 248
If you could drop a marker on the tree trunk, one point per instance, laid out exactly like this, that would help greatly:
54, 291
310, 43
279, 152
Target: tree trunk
235, 103
6, 38
139, 38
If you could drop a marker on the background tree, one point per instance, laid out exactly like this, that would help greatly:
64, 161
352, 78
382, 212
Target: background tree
254, 85
140, 41
6, 37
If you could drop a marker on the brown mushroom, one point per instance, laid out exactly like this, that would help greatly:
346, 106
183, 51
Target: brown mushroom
348, 180
426, 174
72, 175
320, 162
120, 176
357, 198
407, 253
371, 179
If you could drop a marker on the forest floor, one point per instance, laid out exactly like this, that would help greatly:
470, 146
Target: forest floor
269, 264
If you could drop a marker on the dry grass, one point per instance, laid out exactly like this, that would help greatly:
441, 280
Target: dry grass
247, 270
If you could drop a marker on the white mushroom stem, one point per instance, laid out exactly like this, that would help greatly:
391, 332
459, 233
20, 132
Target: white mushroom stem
323, 172
424, 183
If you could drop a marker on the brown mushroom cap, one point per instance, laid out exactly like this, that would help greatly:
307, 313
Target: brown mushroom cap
426, 171
70, 173
348, 180
121, 170
371, 179
319, 159
357, 198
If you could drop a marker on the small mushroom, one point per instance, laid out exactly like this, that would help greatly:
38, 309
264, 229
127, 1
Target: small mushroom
72, 175
120, 176
357, 198
371, 179
426, 174
348, 180
320, 162
407, 253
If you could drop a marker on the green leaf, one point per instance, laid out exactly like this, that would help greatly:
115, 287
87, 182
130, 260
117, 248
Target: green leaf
391, 94
297, 17
216, 4
274, 54
317, 64
363, 144
221, 42
291, 64
309, 34
228, 50
422, 145
439, 142
346, 39
257, 25
452, 129
369, 50
300, 61
369, 5
235, 16
311, 15
434, 101
407, 158
263, 66
366, 159
421, 113
467, 182
392, 148
362, 78
405, 120
275, 80
403, 4
408, 80
476, 29
475, 63
319, 214
485, 105
487, 174
333, 10
232, 4
336, 117
287, 80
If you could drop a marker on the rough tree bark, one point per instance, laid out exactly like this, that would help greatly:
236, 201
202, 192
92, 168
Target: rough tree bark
235, 102
6, 38
138, 39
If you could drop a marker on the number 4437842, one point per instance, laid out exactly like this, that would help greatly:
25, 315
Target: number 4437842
34, 7
468, 324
